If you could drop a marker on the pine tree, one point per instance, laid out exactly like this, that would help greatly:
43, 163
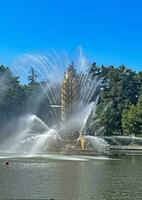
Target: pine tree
32, 77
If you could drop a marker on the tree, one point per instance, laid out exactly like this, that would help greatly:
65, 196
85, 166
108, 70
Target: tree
10, 95
132, 119
32, 77
119, 89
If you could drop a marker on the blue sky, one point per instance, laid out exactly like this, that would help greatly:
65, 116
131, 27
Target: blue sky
109, 31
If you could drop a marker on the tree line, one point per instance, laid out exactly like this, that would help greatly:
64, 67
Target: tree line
118, 111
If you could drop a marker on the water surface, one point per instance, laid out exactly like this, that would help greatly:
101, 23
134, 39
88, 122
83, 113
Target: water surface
71, 178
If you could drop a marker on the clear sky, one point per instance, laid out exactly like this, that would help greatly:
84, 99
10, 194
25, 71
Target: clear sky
109, 31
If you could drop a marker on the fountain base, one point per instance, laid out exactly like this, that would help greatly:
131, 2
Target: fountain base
76, 152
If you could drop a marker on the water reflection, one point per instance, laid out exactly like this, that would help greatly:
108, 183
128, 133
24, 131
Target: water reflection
42, 178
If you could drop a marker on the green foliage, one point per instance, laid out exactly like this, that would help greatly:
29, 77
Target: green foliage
17, 99
120, 88
32, 77
119, 108
132, 119
10, 94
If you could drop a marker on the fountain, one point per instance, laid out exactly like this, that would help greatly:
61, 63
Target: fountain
70, 98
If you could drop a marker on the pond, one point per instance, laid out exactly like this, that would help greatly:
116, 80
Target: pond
71, 177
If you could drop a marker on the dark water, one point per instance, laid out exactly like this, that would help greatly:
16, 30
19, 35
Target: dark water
71, 178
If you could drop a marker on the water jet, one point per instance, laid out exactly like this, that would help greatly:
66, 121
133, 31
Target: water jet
70, 99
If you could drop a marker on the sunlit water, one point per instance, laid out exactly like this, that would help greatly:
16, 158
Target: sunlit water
71, 177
